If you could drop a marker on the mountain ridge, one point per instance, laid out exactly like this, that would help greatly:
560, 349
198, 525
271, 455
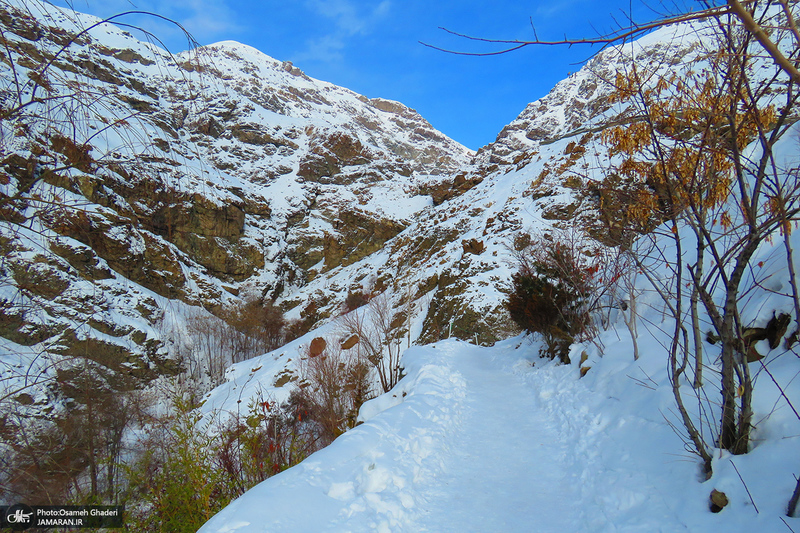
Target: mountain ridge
249, 178
134, 229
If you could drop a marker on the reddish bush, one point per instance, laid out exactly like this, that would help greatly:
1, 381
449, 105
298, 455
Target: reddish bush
354, 300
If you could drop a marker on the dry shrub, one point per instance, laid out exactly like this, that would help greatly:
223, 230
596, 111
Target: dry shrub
309, 316
269, 439
354, 300
214, 343
261, 323
334, 386
378, 342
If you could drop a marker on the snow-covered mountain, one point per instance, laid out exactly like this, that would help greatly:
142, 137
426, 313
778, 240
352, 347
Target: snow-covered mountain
139, 189
207, 178
499, 439
199, 179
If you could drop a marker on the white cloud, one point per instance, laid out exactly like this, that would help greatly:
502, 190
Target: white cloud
553, 9
348, 19
351, 18
205, 19
327, 49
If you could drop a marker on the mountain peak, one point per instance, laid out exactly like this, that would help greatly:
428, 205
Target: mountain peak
241, 50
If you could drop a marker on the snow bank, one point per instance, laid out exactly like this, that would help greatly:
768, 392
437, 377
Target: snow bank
496, 439
367, 478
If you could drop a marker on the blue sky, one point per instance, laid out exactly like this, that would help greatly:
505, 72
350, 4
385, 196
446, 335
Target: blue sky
372, 47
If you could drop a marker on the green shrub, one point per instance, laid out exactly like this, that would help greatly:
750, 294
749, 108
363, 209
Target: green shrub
177, 480
191, 470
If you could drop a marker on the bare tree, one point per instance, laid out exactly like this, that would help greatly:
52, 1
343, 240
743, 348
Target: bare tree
698, 146
377, 338
689, 147
59, 122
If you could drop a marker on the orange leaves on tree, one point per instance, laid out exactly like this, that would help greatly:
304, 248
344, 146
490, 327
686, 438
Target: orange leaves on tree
679, 143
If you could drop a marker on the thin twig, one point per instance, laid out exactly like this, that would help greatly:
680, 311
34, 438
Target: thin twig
792, 507
745, 486
780, 389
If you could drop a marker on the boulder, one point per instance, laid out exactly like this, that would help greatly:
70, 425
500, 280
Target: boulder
317, 347
350, 341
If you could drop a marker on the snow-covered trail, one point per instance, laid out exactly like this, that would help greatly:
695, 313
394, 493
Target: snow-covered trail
481, 440
505, 470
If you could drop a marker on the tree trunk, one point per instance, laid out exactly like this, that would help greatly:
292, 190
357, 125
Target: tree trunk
793, 501
728, 435
735, 437
693, 307
698, 340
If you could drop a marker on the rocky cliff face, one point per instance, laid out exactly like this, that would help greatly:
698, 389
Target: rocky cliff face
131, 179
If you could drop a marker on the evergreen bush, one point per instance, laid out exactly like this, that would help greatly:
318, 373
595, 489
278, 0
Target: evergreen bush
553, 294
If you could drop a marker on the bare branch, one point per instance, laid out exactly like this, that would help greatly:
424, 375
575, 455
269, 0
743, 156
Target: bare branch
763, 39
623, 34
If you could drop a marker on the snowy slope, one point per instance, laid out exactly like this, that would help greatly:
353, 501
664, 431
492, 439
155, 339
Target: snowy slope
495, 439
333, 192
